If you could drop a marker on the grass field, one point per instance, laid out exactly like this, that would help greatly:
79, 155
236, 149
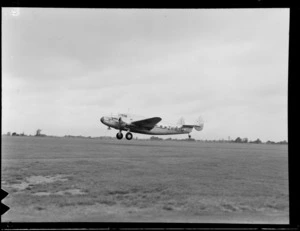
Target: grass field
61, 179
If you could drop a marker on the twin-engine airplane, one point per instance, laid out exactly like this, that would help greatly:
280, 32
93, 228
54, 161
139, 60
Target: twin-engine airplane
149, 126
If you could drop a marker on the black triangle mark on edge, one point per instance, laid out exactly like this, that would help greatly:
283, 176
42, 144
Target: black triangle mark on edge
4, 208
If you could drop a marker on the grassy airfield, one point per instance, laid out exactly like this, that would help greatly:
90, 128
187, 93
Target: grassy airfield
93, 180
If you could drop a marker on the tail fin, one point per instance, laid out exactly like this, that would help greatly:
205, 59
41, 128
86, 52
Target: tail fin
199, 124
181, 121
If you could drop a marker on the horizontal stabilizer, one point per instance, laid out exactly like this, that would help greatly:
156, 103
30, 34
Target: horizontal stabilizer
199, 124
187, 126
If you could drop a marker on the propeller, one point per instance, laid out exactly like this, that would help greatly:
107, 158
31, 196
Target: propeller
120, 122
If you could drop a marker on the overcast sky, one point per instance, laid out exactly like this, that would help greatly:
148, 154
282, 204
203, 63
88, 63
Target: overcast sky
63, 69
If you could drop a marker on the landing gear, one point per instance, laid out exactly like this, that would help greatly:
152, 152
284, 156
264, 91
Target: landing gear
128, 136
190, 136
119, 135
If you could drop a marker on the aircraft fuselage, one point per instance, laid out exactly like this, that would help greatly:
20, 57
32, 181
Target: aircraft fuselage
142, 125
158, 129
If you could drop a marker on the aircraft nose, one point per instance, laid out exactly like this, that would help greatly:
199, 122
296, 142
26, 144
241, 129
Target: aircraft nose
102, 119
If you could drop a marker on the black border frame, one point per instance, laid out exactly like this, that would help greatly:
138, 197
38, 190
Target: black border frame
293, 158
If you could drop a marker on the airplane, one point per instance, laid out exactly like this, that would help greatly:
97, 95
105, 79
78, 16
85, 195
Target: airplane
150, 126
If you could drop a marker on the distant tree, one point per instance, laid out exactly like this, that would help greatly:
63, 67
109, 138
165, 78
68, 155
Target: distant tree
270, 142
38, 132
189, 139
245, 140
8, 134
155, 138
258, 141
238, 140
282, 142
14, 134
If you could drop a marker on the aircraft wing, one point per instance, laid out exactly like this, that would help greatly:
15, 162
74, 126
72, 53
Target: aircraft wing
147, 123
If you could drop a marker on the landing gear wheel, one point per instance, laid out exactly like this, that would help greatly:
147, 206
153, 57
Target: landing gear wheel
190, 136
119, 135
128, 136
